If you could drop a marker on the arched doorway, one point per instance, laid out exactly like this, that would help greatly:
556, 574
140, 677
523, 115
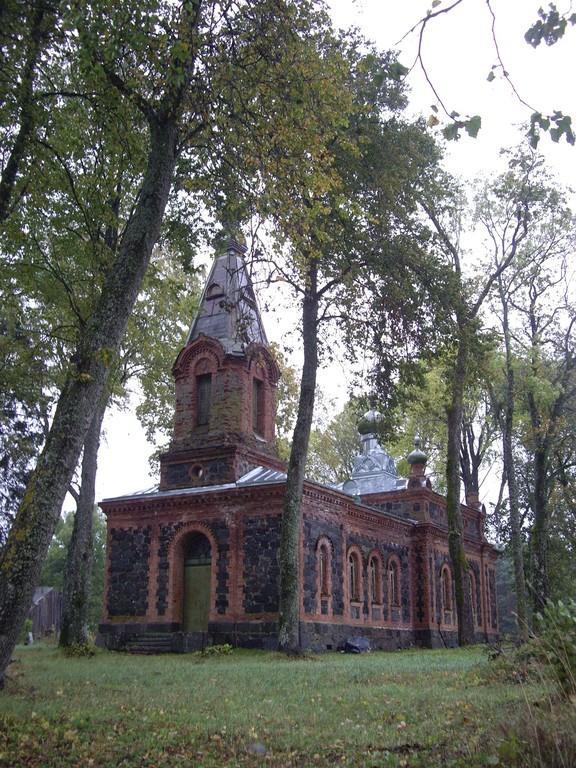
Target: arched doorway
197, 583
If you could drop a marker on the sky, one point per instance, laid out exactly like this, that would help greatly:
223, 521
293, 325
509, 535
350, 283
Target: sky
458, 52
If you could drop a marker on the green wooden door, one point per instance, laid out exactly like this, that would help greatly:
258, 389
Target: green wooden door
196, 597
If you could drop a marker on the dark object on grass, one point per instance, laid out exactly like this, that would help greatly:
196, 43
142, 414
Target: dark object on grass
357, 645
256, 749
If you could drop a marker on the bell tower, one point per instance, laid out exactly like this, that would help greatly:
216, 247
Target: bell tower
226, 379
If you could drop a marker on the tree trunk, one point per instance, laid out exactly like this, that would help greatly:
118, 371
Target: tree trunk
453, 512
541, 430
40, 507
289, 616
510, 474
78, 574
539, 534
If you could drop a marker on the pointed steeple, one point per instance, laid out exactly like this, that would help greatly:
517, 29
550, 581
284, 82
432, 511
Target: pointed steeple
228, 309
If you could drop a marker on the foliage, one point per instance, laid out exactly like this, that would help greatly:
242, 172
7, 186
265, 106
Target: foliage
217, 650
550, 26
286, 401
26, 629
413, 708
164, 75
80, 650
555, 643
334, 445
541, 737
53, 571
156, 332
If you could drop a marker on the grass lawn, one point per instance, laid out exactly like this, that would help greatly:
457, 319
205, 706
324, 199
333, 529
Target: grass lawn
410, 708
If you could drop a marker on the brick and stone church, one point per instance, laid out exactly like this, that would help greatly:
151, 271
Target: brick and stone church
196, 560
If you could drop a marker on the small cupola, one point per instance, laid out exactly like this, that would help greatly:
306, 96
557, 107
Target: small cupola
417, 460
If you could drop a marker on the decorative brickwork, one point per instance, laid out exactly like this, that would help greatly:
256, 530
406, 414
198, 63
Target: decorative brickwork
128, 571
314, 530
373, 552
493, 614
475, 568
166, 534
261, 572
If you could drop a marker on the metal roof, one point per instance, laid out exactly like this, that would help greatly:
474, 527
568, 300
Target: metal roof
228, 309
259, 476
374, 471
256, 476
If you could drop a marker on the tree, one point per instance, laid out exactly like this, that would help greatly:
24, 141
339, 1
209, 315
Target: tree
550, 27
335, 445
166, 63
466, 306
547, 241
55, 562
78, 570
23, 408
26, 32
549, 392
340, 233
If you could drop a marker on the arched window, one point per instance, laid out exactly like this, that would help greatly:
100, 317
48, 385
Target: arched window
324, 580
354, 573
446, 583
394, 582
258, 406
375, 579
375, 587
203, 399
473, 596
323, 563
355, 590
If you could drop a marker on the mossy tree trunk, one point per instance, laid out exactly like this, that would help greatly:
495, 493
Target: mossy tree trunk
510, 472
539, 535
78, 573
289, 617
453, 511
89, 369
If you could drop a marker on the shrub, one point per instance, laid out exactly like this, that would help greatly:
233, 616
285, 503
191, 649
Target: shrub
26, 629
80, 650
217, 650
540, 739
555, 644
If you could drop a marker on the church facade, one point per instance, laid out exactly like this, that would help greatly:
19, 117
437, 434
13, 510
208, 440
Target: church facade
195, 561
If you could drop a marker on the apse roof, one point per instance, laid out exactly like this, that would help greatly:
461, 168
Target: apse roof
228, 309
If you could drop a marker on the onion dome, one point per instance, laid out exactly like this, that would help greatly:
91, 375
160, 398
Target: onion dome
368, 424
417, 456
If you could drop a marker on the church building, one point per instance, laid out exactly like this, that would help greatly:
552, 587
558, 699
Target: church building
195, 561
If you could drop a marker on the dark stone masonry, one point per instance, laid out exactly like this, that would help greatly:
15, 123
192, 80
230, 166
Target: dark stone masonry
128, 571
195, 562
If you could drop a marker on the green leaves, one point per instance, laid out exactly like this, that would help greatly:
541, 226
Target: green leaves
471, 125
398, 71
562, 127
549, 28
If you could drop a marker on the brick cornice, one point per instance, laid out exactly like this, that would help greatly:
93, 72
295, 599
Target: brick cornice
206, 497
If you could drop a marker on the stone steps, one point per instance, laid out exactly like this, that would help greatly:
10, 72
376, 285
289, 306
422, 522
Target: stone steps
150, 643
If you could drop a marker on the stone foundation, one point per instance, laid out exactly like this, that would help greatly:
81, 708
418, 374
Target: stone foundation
263, 635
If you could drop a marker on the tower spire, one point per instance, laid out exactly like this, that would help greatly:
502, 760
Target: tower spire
228, 310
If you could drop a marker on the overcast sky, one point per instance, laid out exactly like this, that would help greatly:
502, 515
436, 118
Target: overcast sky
458, 53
